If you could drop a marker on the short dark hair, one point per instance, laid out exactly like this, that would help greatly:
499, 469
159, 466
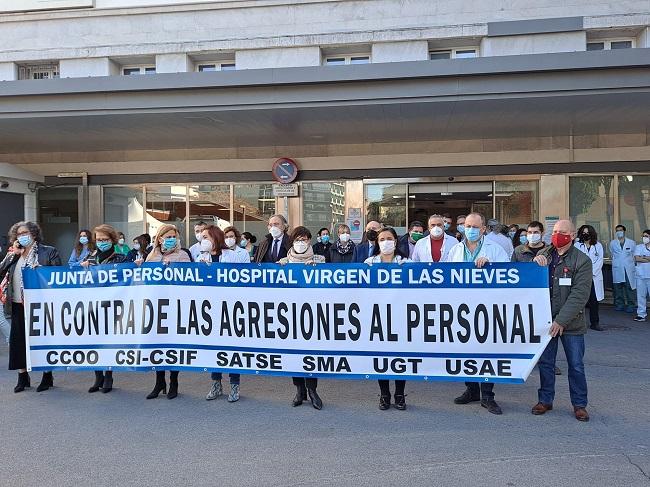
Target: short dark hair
376, 249
446, 215
201, 224
234, 230
320, 232
536, 224
299, 232
620, 226
415, 223
646, 231
146, 237
249, 236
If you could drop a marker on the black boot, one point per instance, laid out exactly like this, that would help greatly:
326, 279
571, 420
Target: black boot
108, 382
23, 381
467, 397
46, 382
161, 385
315, 399
400, 401
173, 385
99, 381
301, 395
384, 402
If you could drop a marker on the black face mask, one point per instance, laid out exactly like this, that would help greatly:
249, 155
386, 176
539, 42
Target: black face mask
372, 235
585, 237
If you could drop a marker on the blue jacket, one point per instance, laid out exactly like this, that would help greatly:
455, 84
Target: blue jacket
360, 253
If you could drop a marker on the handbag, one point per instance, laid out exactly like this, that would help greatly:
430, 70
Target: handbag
4, 285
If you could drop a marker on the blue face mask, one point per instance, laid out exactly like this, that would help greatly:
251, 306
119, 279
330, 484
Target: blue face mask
169, 243
512, 234
523, 238
472, 234
460, 228
104, 246
243, 243
83, 240
620, 234
447, 226
325, 239
25, 240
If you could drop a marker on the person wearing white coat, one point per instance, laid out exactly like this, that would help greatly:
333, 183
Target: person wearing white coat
623, 273
437, 242
642, 259
589, 244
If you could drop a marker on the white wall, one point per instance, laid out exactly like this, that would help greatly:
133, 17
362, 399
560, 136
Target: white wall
8, 71
79, 68
388, 52
278, 58
173, 63
534, 44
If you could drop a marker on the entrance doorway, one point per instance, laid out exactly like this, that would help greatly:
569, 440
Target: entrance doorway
426, 199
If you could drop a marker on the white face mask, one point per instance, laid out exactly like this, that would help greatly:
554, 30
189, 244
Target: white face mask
387, 246
344, 237
300, 247
121, 241
646, 240
534, 237
437, 231
206, 245
231, 242
275, 232
136, 246
199, 236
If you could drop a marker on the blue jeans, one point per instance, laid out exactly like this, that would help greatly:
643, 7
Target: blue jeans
574, 349
234, 378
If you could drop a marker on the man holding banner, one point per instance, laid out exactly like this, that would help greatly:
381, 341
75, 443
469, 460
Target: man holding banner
570, 284
476, 248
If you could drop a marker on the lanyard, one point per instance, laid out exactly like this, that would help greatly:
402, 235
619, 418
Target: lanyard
471, 256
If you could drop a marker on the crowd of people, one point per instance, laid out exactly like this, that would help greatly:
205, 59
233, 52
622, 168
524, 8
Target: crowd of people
574, 259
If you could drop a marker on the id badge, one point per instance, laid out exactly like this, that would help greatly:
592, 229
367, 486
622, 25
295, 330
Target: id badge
565, 281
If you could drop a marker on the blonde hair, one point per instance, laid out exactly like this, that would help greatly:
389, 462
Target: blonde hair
162, 231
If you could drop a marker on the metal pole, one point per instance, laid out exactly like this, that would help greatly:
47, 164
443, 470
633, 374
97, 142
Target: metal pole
286, 207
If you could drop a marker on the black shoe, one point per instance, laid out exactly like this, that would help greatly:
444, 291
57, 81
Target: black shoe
384, 402
173, 389
597, 328
466, 397
558, 371
99, 381
315, 399
161, 386
400, 402
46, 382
108, 382
301, 395
491, 406
23, 381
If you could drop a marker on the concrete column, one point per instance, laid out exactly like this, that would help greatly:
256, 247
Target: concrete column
8, 71
173, 63
534, 44
278, 58
644, 38
85, 67
553, 196
387, 52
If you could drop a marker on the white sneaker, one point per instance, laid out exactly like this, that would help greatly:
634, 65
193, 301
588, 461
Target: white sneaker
234, 393
215, 391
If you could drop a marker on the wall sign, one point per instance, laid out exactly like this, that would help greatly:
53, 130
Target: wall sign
285, 170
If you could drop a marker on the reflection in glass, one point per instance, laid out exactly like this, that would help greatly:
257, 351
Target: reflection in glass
253, 206
591, 202
634, 204
386, 203
123, 210
59, 217
166, 204
323, 205
516, 202
210, 204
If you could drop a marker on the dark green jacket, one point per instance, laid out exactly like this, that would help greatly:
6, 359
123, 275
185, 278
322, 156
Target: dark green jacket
568, 302
523, 253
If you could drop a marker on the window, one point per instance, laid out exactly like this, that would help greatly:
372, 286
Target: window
516, 202
606, 45
591, 202
210, 204
221, 66
135, 70
462, 53
323, 205
166, 204
58, 217
124, 210
386, 203
38, 71
253, 205
347, 59
634, 204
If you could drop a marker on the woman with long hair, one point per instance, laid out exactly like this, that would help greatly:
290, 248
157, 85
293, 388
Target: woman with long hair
83, 246
589, 244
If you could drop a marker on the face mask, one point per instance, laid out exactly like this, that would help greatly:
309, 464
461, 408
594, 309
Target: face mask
136, 246
169, 243
243, 243
646, 240
534, 237
275, 232
230, 242
558, 240
344, 237
415, 236
523, 239
437, 231
121, 241
460, 228
25, 240
104, 246
512, 234
372, 235
199, 236
584, 237
473, 234
325, 239
206, 245
387, 247
300, 247
83, 240
447, 226
620, 234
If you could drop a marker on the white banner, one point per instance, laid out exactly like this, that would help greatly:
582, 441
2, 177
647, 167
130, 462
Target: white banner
415, 321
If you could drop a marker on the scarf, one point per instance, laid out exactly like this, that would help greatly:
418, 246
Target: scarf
295, 258
343, 248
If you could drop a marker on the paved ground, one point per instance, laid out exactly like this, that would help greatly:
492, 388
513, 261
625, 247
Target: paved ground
67, 437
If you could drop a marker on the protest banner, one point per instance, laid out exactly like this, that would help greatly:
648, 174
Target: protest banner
414, 321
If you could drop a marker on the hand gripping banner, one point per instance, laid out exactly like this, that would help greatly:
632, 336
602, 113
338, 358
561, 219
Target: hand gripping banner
414, 321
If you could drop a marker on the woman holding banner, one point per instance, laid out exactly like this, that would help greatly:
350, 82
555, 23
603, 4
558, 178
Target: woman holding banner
105, 237
27, 250
221, 246
301, 252
387, 252
167, 249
